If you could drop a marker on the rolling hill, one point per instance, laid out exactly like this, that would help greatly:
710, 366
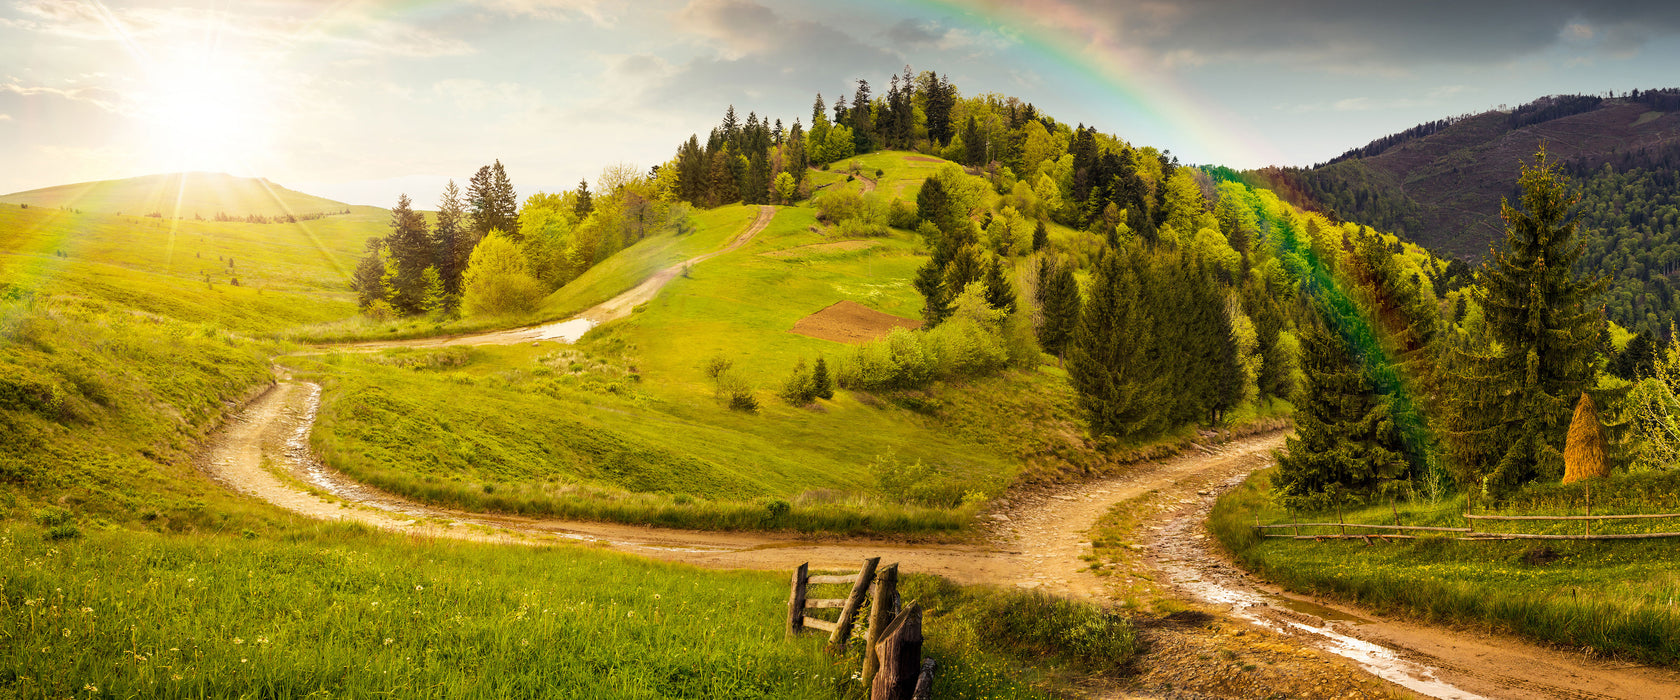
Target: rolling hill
180, 195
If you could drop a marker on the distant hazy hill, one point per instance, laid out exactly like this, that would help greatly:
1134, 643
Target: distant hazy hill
1440, 183
179, 194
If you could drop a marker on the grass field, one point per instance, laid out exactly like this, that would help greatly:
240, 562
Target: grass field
1615, 598
335, 611
178, 196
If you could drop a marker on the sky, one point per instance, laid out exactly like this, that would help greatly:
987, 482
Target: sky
360, 101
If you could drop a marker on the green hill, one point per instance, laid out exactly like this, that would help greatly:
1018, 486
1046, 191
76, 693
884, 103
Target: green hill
180, 196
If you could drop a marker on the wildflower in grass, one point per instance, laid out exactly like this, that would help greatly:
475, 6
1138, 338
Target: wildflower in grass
387, 641
91, 688
237, 640
262, 640
66, 634
87, 610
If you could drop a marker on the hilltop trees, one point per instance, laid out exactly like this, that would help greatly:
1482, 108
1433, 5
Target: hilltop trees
491, 202
1511, 400
453, 243
393, 272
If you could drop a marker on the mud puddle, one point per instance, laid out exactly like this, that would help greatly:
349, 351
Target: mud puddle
1186, 557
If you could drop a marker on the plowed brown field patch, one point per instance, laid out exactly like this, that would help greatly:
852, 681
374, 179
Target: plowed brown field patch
851, 322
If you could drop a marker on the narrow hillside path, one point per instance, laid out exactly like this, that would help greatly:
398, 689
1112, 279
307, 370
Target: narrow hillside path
573, 328
1038, 541
1258, 643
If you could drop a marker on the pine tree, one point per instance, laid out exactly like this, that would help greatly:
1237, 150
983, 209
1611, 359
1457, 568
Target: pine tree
1345, 439
585, 203
480, 209
452, 243
1511, 403
1000, 292
933, 204
1058, 300
1112, 361
929, 281
692, 172
720, 181
411, 251
1041, 237
822, 385
797, 160
505, 202
974, 145
367, 280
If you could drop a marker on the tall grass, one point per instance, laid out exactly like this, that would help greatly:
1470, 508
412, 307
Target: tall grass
1610, 597
333, 610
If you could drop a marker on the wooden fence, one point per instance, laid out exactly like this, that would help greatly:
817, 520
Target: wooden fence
893, 667
1469, 533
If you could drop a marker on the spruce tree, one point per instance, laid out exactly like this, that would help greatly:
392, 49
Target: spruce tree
452, 243
368, 279
822, 385
974, 145
585, 203
1112, 361
1000, 292
933, 204
480, 210
1058, 299
1344, 439
1511, 403
505, 202
411, 250
1041, 237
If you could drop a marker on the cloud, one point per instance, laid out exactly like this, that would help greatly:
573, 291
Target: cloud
103, 98
759, 53
1351, 36
277, 25
551, 9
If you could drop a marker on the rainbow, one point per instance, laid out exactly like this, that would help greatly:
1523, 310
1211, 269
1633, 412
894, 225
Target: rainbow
1155, 109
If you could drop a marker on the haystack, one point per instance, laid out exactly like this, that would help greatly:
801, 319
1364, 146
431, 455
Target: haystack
1583, 452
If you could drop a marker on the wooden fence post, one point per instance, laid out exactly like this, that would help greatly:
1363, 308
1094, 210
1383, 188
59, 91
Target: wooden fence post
900, 651
796, 600
924, 682
860, 588
880, 615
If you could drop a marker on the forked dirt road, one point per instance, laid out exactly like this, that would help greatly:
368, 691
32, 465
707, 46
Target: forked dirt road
1240, 638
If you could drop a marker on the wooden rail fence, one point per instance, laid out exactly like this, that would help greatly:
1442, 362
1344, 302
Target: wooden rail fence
893, 667
1471, 533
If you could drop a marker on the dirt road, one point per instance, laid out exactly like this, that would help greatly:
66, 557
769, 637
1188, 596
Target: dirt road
1240, 638
573, 328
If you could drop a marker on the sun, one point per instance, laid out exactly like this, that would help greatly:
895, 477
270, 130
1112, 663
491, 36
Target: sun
201, 116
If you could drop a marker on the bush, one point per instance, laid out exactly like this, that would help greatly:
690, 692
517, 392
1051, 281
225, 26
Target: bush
799, 389
497, 280
30, 389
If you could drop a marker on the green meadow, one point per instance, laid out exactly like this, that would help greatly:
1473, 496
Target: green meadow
322, 610
1613, 597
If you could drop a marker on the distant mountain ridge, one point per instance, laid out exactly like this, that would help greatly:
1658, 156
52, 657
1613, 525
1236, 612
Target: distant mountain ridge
180, 195
1439, 184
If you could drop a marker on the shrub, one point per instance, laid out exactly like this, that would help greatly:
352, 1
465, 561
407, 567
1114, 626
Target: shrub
497, 279
777, 509
799, 389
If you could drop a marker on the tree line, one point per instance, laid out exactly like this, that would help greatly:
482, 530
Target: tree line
486, 254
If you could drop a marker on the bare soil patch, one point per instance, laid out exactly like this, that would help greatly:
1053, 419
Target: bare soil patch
851, 322
819, 249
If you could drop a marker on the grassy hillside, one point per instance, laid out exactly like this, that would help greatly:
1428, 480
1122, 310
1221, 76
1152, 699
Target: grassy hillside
1615, 597
625, 426
179, 196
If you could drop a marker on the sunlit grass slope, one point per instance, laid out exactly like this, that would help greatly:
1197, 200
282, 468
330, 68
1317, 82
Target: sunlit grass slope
179, 195
122, 339
333, 611
626, 426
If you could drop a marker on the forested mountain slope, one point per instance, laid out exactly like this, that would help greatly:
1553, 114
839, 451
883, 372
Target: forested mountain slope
1440, 184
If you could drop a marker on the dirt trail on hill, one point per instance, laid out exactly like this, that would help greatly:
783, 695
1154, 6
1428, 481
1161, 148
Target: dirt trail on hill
1256, 642
573, 328
1240, 638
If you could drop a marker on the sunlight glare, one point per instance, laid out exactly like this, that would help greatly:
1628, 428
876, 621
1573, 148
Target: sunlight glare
204, 117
